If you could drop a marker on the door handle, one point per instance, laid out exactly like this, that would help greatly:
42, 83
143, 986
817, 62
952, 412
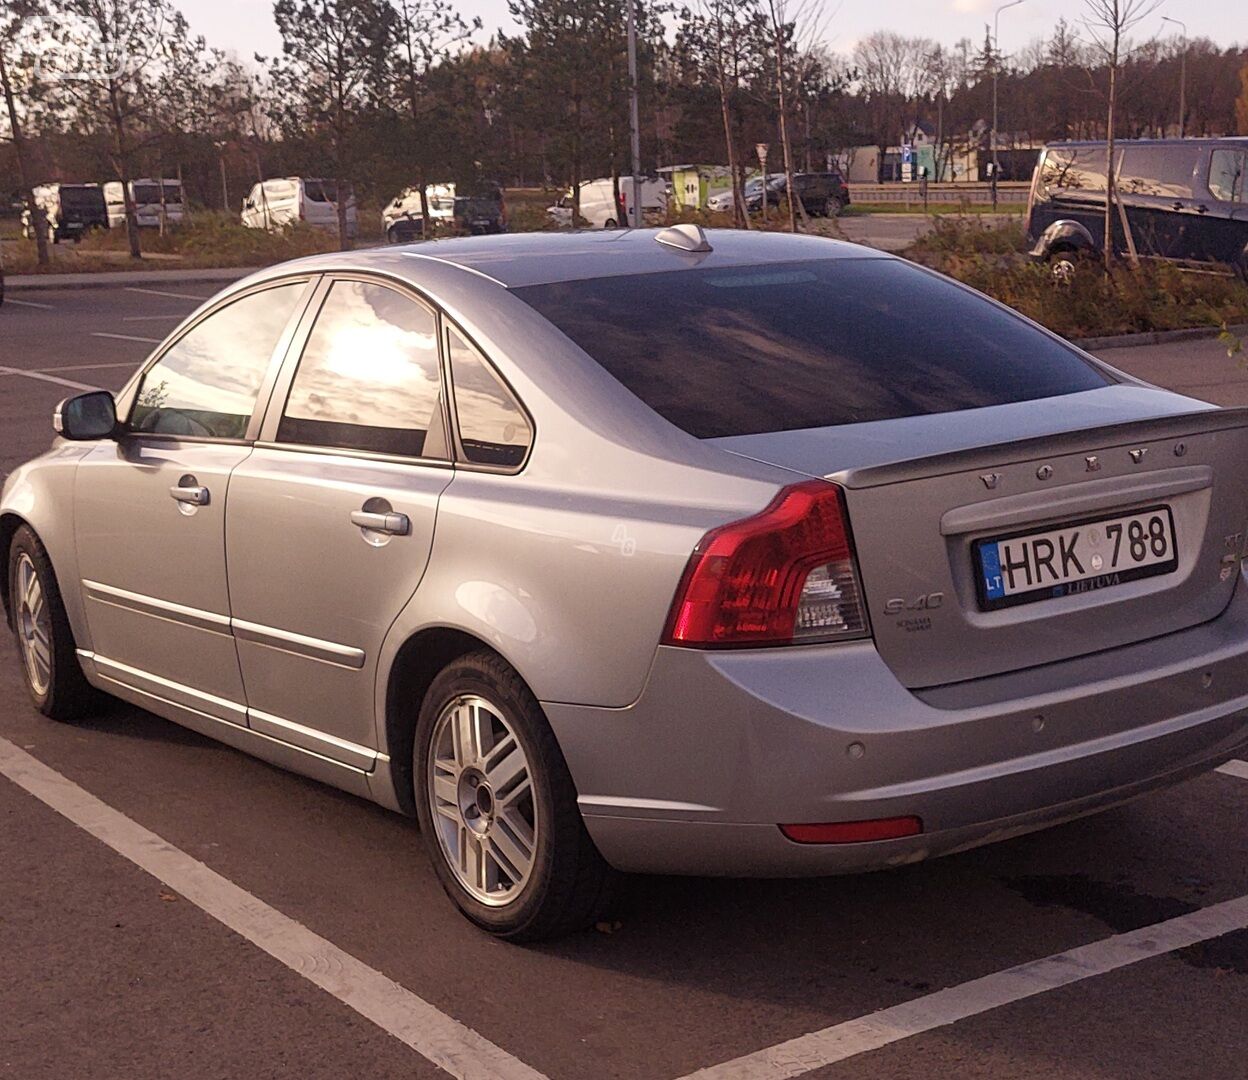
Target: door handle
190, 493
391, 524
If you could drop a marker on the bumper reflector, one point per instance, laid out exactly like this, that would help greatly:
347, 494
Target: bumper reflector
854, 832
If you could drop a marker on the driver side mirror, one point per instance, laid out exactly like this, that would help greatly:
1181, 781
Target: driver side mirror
87, 416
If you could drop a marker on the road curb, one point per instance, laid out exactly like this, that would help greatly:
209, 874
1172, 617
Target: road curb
105, 279
1157, 337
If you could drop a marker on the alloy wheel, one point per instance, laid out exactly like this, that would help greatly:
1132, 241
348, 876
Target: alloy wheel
480, 791
34, 625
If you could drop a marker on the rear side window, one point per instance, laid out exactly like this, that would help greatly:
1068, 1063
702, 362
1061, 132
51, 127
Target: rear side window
1164, 171
368, 378
493, 429
1226, 176
810, 344
206, 383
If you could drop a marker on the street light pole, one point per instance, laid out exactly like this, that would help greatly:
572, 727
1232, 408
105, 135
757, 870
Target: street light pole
1182, 76
633, 120
996, 66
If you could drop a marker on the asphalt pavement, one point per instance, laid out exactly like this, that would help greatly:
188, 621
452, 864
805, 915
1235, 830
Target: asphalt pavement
338, 955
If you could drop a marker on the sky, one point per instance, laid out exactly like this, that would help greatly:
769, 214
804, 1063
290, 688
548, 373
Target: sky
246, 26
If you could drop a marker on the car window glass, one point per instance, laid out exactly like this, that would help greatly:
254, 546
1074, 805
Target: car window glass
206, 383
493, 429
1226, 175
1074, 171
1164, 171
368, 378
784, 346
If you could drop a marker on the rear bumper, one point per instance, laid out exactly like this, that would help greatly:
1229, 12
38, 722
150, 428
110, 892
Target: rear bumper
695, 777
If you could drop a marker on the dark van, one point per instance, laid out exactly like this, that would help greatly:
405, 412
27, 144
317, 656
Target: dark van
822, 194
71, 210
1186, 200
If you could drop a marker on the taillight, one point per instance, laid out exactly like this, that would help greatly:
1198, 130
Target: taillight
784, 576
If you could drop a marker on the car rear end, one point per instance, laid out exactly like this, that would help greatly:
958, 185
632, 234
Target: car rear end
82, 208
1001, 590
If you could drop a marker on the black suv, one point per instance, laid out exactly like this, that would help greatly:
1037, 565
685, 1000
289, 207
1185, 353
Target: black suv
479, 215
1186, 200
821, 193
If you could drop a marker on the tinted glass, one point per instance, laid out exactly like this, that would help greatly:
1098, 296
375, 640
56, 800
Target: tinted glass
207, 382
1157, 170
492, 428
1079, 170
321, 190
1226, 175
368, 378
808, 344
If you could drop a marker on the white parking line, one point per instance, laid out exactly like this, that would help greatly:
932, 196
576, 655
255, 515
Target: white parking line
1235, 768
28, 303
161, 292
48, 378
126, 337
880, 1029
149, 318
446, 1042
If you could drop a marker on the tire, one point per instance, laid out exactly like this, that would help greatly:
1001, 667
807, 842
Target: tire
51, 672
475, 799
609, 223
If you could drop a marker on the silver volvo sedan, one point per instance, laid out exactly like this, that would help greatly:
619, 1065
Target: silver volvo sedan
724, 553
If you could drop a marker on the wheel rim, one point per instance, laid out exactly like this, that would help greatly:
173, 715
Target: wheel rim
480, 792
34, 626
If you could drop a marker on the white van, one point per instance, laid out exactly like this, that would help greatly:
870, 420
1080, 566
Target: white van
402, 219
599, 208
275, 204
147, 203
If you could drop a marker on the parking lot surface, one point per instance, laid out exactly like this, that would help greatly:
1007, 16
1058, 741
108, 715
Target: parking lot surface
283, 929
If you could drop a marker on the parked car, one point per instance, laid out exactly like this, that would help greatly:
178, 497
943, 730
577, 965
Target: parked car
600, 209
154, 201
660, 551
721, 201
71, 210
275, 204
402, 218
822, 194
1186, 201
479, 215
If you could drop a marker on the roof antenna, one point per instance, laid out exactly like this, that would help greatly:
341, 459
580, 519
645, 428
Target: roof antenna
685, 237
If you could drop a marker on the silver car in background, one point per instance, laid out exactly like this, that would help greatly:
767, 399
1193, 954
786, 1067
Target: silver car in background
725, 553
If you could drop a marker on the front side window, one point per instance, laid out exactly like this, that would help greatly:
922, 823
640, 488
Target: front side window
206, 383
493, 429
1076, 170
783, 346
368, 378
1226, 176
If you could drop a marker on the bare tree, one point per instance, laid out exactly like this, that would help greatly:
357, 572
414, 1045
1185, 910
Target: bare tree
1108, 23
12, 21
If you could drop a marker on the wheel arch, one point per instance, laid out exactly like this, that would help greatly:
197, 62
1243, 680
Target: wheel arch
9, 524
417, 662
1066, 235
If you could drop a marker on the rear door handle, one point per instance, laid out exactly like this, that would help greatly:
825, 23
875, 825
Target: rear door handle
391, 524
193, 494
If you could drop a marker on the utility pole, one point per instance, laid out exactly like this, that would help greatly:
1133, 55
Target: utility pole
996, 67
1182, 76
634, 122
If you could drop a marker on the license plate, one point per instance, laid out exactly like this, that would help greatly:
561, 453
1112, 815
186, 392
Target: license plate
1083, 556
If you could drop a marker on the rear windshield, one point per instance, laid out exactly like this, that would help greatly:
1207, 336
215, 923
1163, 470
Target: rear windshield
82, 198
321, 190
808, 344
148, 194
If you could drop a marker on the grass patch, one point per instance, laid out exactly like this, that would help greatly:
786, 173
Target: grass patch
1091, 303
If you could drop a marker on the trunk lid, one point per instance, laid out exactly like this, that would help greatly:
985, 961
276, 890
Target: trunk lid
922, 491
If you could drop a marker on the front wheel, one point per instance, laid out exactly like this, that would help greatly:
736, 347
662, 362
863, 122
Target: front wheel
497, 806
45, 640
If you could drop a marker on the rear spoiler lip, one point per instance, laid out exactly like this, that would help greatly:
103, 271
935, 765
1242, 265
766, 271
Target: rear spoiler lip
1102, 438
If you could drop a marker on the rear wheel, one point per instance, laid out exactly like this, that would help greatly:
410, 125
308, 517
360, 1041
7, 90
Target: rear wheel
498, 809
45, 641
609, 223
